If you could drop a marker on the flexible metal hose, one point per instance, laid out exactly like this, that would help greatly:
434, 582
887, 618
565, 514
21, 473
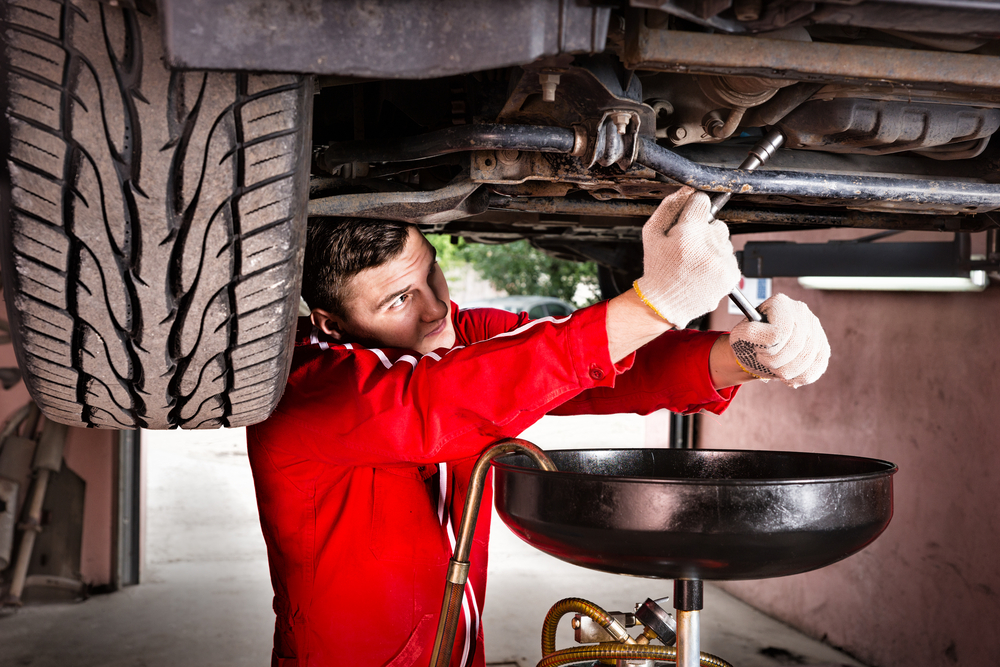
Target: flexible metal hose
570, 606
623, 652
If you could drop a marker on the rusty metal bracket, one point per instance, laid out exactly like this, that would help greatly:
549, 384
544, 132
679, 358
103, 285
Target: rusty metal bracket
617, 139
592, 93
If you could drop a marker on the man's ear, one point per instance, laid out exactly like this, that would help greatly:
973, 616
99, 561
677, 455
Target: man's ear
327, 322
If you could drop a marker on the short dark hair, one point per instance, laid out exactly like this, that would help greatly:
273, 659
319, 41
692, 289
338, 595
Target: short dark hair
337, 249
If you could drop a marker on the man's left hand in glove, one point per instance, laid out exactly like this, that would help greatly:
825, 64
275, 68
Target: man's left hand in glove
790, 345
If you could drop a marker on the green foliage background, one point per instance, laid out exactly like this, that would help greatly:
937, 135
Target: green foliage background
517, 268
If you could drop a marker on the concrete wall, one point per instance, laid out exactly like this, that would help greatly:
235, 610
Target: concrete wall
90, 453
914, 379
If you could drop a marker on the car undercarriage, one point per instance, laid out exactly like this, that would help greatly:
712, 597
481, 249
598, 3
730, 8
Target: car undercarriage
887, 125
563, 122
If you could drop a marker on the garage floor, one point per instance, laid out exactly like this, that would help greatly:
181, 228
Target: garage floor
205, 598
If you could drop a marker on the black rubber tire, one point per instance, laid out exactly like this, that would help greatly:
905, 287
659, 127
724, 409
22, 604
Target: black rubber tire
152, 222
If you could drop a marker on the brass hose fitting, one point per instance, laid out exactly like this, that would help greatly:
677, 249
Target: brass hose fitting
578, 606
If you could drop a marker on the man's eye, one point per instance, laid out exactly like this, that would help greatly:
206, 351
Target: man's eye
399, 301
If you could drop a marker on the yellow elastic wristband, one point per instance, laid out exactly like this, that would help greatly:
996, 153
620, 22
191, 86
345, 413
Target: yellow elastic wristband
635, 286
744, 368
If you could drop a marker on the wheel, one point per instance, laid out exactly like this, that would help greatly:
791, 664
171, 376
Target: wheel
152, 222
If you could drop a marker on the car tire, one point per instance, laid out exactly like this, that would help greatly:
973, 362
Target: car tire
153, 222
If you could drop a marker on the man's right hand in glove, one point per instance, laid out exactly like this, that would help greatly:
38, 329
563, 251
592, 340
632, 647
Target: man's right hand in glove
688, 267
687, 259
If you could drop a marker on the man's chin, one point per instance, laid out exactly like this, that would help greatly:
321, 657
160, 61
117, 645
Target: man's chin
445, 339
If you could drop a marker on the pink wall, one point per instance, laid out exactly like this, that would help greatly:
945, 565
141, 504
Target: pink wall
914, 379
89, 453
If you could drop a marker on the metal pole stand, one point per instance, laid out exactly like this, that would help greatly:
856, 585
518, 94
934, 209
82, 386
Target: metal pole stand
689, 599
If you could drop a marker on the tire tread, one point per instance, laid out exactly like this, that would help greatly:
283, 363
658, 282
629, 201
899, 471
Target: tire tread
155, 232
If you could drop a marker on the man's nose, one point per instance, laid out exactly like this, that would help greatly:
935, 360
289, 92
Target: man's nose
434, 307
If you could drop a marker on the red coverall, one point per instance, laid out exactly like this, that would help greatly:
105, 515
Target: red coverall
361, 472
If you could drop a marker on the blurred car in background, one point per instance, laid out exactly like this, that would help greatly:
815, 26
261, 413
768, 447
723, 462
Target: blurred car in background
535, 306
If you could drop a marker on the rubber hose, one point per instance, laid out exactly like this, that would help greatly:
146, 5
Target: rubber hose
733, 122
567, 606
623, 652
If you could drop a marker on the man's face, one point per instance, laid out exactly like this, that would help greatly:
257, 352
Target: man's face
403, 303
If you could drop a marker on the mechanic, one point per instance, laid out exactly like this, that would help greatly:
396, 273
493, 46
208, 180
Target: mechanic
362, 470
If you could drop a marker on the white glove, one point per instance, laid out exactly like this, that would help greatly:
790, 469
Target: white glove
791, 346
688, 261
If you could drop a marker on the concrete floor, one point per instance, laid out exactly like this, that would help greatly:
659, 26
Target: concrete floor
205, 597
